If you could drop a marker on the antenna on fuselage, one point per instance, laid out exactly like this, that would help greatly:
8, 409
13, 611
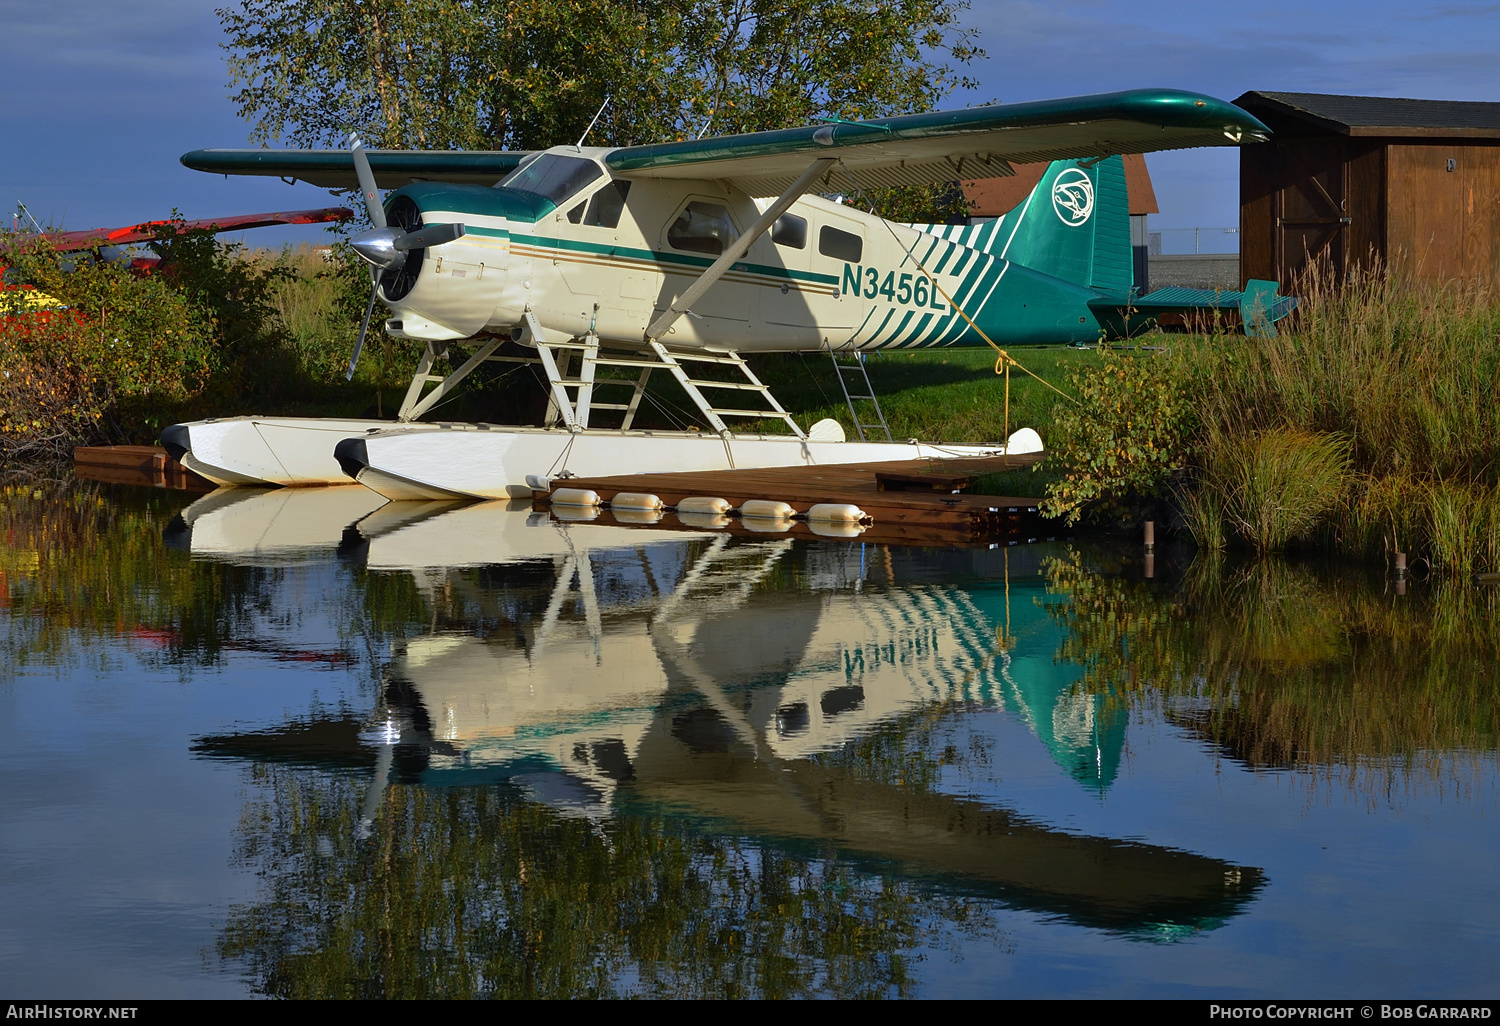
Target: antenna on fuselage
22, 208
578, 146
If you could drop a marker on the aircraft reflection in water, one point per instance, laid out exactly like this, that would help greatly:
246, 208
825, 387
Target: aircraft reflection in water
614, 671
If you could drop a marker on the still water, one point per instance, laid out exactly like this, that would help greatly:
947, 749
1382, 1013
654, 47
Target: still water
293, 743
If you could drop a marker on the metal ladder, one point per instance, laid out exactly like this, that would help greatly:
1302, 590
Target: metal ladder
716, 414
868, 395
574, 411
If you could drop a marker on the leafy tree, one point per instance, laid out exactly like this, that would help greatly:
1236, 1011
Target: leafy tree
527, 74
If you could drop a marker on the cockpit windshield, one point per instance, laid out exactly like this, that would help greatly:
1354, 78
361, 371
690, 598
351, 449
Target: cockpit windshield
552, 176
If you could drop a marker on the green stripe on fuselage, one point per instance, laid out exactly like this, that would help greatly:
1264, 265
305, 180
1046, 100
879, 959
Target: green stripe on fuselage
672, 259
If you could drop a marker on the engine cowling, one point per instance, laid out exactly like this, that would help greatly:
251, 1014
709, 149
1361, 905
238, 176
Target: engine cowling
456, 289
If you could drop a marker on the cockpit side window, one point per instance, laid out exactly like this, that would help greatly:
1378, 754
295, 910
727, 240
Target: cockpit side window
841, 245
552, 176
607, 205
702, 227
790, 231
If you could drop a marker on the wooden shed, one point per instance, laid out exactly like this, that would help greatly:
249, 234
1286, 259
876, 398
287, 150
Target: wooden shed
1412, 185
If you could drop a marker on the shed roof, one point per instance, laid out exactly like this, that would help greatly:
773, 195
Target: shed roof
1375, 115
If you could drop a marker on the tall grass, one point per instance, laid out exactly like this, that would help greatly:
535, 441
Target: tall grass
1372, 419
1409, 372
1276, 486
316, 303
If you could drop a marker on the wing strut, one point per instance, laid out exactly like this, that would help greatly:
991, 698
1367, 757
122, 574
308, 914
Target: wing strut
739, 247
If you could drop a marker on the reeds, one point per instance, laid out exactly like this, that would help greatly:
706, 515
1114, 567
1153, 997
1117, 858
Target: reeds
1277, 486
1372, 421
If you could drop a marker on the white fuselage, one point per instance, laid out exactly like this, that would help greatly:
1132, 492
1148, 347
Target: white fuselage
828, 276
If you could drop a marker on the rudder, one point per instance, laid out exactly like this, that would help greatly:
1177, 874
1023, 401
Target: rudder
1074, 225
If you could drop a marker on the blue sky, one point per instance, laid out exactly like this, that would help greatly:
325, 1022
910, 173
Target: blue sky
102, 98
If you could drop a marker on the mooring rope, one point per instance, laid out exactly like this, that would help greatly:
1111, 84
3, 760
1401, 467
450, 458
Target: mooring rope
1002, 358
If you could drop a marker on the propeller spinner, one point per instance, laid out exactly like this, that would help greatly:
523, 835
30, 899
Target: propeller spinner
385, 247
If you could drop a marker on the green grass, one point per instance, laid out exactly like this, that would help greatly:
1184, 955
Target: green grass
949, 395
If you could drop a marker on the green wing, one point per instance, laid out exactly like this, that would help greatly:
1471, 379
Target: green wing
913, 149
334, 169
944, 146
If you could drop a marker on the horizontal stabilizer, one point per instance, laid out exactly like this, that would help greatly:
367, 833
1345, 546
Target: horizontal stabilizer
1258, 306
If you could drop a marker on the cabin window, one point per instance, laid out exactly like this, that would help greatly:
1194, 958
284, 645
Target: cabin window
790, 231
702, 228
553, 176
841, 245
607, 205
576, 214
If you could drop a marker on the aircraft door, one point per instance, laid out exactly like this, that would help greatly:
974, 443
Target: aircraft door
700, 230
805, 306
783, 307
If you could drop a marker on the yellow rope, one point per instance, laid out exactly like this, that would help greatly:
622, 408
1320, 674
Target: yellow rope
1002, 357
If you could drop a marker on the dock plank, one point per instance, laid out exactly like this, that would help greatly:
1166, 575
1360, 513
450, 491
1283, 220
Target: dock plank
860, 484
147, 465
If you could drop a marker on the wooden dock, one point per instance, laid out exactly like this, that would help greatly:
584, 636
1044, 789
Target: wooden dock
145, 465
916, 499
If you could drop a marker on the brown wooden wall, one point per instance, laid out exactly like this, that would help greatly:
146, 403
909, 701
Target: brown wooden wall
1361, 202
1444, 224
1366, 246
1304, 199
1257, 189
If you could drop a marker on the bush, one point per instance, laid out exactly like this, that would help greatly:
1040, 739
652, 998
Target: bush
1120, 445
211, 328
107, 367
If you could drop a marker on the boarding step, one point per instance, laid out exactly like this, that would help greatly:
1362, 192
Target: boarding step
729, 384
756, 414
732, 360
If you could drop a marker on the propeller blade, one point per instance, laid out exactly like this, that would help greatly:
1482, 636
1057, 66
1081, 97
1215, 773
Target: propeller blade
430, 235
367, 181
369, 310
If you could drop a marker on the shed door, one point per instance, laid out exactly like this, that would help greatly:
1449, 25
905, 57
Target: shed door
1312, 217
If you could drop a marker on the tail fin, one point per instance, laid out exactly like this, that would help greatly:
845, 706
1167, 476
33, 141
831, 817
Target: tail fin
1074, 225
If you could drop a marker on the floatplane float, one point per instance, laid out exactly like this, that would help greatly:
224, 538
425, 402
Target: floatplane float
604, 266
